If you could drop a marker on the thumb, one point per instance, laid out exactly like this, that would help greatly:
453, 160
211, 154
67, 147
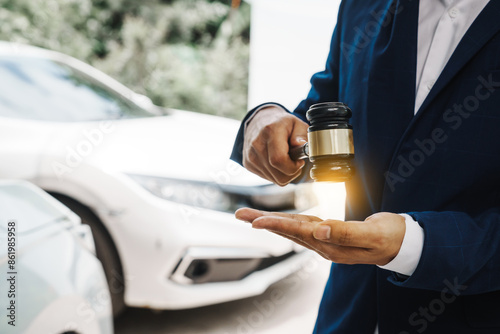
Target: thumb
297, 140
352, 233
298, 136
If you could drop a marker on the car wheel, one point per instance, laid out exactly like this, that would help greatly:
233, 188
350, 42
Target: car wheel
105, 251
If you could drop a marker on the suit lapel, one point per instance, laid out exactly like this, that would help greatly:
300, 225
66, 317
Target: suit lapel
481, 31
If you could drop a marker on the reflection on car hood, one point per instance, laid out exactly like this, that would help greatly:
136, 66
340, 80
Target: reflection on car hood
182, 145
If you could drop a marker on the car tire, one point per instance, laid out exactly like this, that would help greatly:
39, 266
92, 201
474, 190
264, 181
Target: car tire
105, 251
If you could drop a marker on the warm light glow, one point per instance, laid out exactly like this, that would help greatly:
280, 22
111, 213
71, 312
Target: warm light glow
331, 197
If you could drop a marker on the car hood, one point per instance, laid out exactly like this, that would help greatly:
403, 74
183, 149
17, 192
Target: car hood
181, 145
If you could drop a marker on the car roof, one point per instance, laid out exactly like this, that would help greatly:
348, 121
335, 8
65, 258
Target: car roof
17, 49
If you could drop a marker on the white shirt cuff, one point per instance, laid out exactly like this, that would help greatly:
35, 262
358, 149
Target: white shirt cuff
411, 249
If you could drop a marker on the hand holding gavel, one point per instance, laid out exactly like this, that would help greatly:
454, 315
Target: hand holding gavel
275, 144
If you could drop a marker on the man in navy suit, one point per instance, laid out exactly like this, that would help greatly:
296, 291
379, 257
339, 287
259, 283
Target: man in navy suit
420, 249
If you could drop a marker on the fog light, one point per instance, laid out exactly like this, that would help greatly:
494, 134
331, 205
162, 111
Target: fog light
197, 269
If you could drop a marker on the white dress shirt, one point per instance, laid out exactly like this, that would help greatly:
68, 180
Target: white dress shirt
441, 26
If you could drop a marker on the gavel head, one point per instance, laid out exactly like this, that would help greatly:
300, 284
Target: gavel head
331, 147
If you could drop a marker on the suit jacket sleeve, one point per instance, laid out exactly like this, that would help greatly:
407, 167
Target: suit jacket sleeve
461, 254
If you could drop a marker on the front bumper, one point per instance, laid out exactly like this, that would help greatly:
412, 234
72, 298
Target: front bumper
178, 258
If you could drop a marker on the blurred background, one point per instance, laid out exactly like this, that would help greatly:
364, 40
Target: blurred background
185, 54
218, 57
188, 54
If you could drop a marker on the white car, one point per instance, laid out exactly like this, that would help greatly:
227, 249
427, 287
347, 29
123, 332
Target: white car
156, 186
52, 281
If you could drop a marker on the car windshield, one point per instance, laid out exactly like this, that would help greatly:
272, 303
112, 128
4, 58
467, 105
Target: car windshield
43, 89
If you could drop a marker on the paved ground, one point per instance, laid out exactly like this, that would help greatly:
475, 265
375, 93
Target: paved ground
289, 306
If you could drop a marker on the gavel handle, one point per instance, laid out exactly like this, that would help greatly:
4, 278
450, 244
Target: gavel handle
299, 152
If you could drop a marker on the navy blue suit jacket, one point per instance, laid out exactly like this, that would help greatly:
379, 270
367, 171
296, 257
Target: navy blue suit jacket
442, 166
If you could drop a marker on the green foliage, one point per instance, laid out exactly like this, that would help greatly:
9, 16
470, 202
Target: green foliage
186, 54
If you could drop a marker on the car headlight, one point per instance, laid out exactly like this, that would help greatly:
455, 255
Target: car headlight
229, 198
193, 193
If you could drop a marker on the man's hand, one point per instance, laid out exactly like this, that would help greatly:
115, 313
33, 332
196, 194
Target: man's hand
268, 138
376, 240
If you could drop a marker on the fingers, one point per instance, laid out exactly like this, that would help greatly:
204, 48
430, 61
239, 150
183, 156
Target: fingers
377, 240
292, 225
297, 241
256, 160
267, 143
305, 228
275, 175
353, 234
304, 244
378, 231
251, 161
298, 137
249, 215
301, 231
278, 148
